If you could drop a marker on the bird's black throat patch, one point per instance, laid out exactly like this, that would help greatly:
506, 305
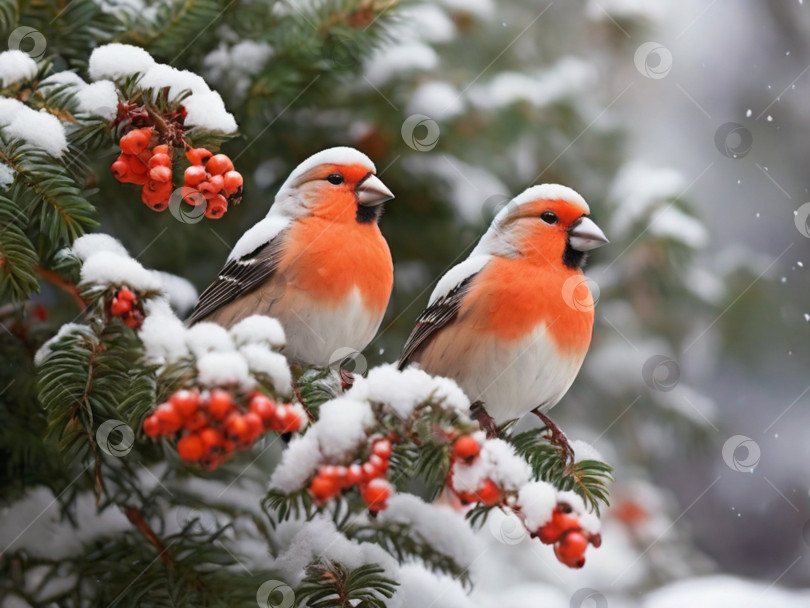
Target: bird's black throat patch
367, 214
573, 258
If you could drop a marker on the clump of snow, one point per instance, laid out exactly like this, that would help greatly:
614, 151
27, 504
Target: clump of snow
648, 10
637, 189
725, 591
207, 111
318, 539
567, 77
37, 129
300, 461
205, 337
262, 360
177, 82
119, 61
233, 66
587, 519
342, 426
16, 66
421, 588
162, 333
438, 100
537, 500
426, 22
6, 176
404, 390
672, 223
258, 329
387, 63
98, 99
584, 451
181, 293
444, 528
68, 328
90, 244
482, 9
109, 268
223, 369
497, 462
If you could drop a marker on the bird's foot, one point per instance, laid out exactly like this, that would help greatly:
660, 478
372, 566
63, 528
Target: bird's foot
346, 379
486, 422
556, 436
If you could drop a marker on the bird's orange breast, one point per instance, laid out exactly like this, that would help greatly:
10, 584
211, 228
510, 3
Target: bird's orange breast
327, 260
511, 297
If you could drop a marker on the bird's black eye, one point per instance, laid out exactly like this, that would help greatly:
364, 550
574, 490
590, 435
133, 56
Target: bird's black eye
549, 217
335, 178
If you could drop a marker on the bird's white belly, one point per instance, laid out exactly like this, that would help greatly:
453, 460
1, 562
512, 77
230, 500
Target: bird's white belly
513, 378
315, 331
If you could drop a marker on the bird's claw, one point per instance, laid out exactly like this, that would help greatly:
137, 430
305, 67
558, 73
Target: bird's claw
346, 379
556, 436
485, 421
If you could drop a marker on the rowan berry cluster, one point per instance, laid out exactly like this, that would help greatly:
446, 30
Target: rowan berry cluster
147, 157
210, 425
368, 476
565, 532
466, 449
124, 305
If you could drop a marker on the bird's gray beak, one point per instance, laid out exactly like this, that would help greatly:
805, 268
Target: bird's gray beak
585, 235
372, 192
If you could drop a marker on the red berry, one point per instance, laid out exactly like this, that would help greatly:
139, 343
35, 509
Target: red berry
191, 448
185, 402
125, 293
218, 164
342, 475
133, 319
228, 446
170, 420
381, 448
119, 307
595, 540
354, 475
192, 196
255, 426
198, 156
466, 448
293, 420
375, 494
155, 195
236, 428
160, 174
163, 149
212, 438
564, 519
380, 464
330, 472
216, 207
151, 426
370, 472
196, 421
159, 159
322, 489
194, 175
264, 407
549, 533
220, 403
232, 182
571, 549
120, 170
136, 141
489, 493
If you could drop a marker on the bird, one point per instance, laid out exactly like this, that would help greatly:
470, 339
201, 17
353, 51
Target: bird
317, 262
510, 323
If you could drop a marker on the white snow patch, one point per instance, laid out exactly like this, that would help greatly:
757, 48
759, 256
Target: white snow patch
671, 222
162, 333
181, 293
497, 462
68, 328
205, 337
177, 81
584, 451
37, 129
299, 462
259, 329
389, 62
207, 111
262, 360
16, 66
438, 100
6, 175
724, 591
99, 99
223, 369
119, 61
90, 244
482, 9
421, 588
111, 268
537, 500
649, 10
637, 189
341, 427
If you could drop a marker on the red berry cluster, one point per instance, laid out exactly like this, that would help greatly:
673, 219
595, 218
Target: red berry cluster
211, 181
466, 449
210, 425
142, 161
566, 534
124, 305
369, 476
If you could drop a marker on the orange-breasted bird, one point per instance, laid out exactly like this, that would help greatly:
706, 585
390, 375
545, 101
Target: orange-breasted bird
512, 323
317, 262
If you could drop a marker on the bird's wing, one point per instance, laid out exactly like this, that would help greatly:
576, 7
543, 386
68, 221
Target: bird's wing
259, 252
443, 306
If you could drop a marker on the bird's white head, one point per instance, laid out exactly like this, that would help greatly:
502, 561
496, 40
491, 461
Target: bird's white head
337, 183
549, 222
